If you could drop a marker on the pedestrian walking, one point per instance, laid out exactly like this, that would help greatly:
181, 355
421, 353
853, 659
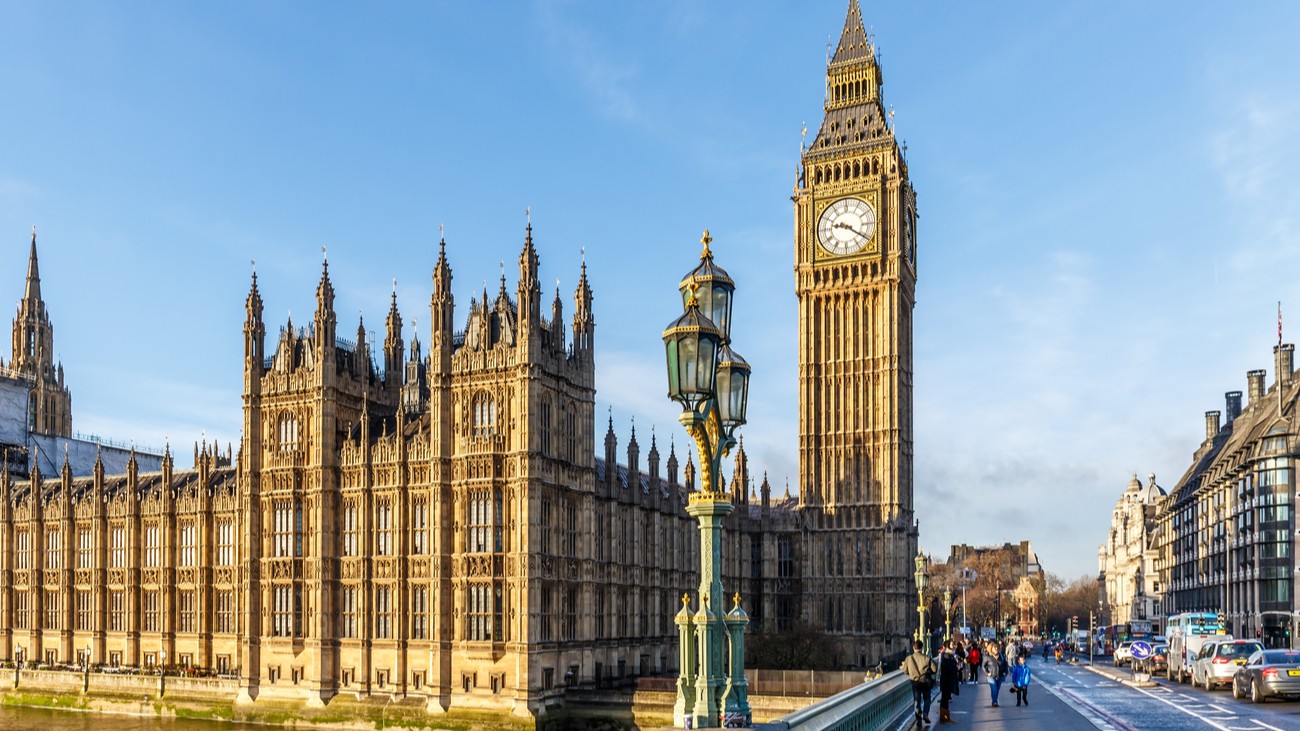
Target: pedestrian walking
995, 670
920, 670
1020, 675
949, 680
974, 657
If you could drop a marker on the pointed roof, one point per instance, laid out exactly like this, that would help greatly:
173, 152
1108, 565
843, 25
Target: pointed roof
854, 45
33, 291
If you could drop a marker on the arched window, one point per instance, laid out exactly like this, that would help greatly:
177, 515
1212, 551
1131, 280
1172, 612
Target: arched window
485, 415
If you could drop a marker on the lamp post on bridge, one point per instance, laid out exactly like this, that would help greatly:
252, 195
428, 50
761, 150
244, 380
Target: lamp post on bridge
947, 614
921, 633
711, 382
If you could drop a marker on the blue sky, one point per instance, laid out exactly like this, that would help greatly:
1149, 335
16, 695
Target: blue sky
1109, 212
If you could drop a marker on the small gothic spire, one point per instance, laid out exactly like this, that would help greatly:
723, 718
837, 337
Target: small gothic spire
33, 292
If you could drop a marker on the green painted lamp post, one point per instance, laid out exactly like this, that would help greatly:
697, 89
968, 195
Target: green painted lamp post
711, 382
947, 613
921, 633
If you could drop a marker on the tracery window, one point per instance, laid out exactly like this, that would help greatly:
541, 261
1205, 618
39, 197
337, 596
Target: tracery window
383, 612
185, 612
484, 612
383, 528
419, 612
419, 527
117, 611
117, 554
226, 543
348, 617
485, 522
485, 415
286, 611
52, 619
150, 601
22, 611
151, 547
186, 544
85, 548
350, 532
287, 531
544, 526
84, 608
288, 433
53, 556
225, 623
23, 549
570, 529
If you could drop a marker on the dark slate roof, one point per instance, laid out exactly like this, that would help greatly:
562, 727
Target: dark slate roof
854, 45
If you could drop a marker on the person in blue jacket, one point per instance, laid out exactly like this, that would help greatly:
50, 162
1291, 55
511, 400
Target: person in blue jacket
1020, 675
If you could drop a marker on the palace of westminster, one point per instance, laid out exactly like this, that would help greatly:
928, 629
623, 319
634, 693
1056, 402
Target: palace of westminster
433, 517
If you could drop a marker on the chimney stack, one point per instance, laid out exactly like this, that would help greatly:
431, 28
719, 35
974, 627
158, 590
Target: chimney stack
1211, 424
1284, 355
1255, 385
1234, 405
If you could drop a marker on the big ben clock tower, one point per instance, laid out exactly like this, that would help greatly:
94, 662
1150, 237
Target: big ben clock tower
855, 278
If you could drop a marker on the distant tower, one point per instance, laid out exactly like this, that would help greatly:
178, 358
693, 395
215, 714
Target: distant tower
855, 279
49, 404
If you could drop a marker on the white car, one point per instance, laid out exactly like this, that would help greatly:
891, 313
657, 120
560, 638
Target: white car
1123, 653
1218, 661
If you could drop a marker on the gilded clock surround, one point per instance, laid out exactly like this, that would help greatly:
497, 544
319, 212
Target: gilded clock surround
870, 249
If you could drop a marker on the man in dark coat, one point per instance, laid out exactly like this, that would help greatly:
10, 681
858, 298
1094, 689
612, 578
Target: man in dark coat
949, 680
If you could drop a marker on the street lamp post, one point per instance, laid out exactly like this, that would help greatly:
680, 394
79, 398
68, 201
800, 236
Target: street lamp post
947, 614
921, 633
711, 382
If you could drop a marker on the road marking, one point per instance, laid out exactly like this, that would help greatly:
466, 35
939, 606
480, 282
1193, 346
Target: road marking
1265, 725
1090, 713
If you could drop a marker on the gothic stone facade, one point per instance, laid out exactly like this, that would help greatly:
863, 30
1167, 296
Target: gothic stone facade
438, 527
855, 279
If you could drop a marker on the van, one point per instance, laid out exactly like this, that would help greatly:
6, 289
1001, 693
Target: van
1183, 650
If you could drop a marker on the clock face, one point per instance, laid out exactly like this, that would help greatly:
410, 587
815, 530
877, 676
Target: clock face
909, 236
846, 226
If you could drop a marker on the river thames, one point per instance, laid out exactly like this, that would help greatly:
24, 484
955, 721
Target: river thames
46, 720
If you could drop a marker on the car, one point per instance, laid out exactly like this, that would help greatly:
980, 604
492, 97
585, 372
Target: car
1156, 662
1218, 661
1268, 673
1123, 653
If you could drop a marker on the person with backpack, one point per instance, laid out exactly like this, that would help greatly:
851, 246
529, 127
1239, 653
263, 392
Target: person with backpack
995, 669
921, 671
1020, 675
973, 658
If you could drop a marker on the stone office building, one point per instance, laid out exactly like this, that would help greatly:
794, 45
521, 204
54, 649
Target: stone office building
1131, 588
1227, 531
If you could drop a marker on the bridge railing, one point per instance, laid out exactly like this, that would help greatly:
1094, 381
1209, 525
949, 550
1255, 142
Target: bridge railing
873, 706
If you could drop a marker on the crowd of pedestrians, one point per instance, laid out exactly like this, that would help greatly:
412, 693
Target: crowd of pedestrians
961, 661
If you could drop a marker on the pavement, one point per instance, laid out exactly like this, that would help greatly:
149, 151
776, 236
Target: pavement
1050, 709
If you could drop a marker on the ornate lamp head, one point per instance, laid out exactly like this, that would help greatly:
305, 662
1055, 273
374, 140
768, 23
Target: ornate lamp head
716, 289
691, 345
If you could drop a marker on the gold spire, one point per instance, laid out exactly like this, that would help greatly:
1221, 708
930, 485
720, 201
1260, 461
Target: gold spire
706, 239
